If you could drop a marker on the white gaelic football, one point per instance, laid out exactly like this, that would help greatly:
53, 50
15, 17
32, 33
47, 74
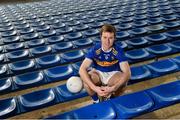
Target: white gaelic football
74, 84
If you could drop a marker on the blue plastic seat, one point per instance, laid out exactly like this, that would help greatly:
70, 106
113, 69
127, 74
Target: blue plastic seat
122, 35
55, 39
7, 28
83, 43
20, 26
112, 22
171, 24
40, 50
138, 55
17, 55
73, 36
14, 46
154, 28
72, 56
95, 24
161, 49
169, 18
72, 23
137, 42
175, 45
22, 66
9, 33
81, 27
63, 46
153, 15
177, 61
173, 34
6, 85
48, 61
9, 107
37, 99
126, 19
26, 30
139, 73
165, 94
76, 66
35, 43
58, 25
123, 26
48, 33
137, 31
42, 28
156, 38
30, 36
11, 39
64, 30
103, 110
140, 17
126, 107
138, 24
59, 73
162, 67
122, 44
87, 20
154, 20
64, 95
91, 32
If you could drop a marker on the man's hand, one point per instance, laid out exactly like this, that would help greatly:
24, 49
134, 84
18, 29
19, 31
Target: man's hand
107, 90
100, 91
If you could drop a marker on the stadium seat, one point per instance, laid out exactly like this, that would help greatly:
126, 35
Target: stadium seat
6, 85
91, 32
64, 95
137, 24
64, 30
35, 43
123, 26
9, 107
122, 35
162, 67
138, 55
2, 58
87, 20
154, 20
177, 61
140, 17
72, 56
40, 50
17, 55
48, 61
169, 18
174, 35
175, 44
9, 33
165, 94
127, 107
137, 42
76, 66
137, 31
59, 73
161, 49
3, 70
73, 36
153, 14
156, 38
83, 43
7, 28
122, 44
58, 25
20, 26
30, 36
103, 110
173, 24
29, 79
95, 24
63, 46
81, 27
139, 73
42, 28
72, 23
126, 19
154, 28
55, 39
112, 22
37, 99
26, 30
22, 66
48, 33
14, 46
11, 39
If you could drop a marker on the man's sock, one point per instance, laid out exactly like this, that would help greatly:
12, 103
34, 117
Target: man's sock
95, 98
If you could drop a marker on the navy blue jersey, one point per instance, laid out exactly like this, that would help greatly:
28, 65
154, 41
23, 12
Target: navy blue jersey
106, 61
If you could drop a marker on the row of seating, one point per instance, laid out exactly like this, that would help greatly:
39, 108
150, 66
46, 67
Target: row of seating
44, 98
36, 78
124, 107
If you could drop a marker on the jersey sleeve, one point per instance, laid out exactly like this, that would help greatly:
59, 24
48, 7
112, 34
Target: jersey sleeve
90, 53
121, 56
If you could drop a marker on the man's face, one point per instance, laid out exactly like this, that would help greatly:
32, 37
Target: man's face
107, 40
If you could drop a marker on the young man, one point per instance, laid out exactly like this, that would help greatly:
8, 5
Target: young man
111, 70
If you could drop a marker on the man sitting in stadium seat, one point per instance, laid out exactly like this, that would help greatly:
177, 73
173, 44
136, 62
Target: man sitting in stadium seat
110, 70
